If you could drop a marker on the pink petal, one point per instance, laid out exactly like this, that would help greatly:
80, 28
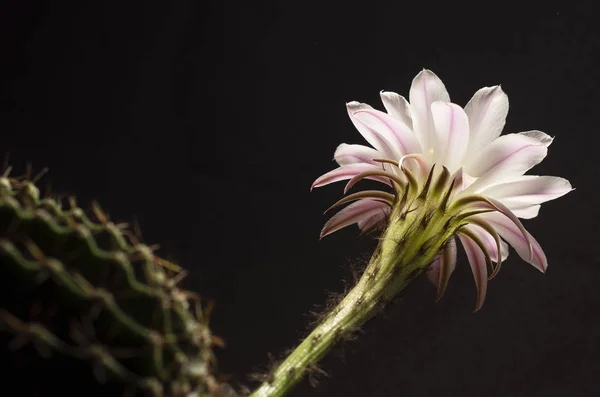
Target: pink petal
398, 134
487, 112
513, 235
482, 202
351, 154
348, 172
426, 88
451, 134
433, 273
507, 157
415, 163
358, 211
478, 267
378, 195
529, 189
442, 268
374, 137
489, 242
368, 224
397, 106
390, 176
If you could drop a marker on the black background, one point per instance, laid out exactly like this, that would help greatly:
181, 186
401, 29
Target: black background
209, 121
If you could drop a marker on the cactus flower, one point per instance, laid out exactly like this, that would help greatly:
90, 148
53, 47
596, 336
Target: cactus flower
447, 174
490, 191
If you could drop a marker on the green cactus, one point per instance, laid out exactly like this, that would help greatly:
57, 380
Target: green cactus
88, 291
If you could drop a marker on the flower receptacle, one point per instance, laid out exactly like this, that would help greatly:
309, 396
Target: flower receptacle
419, 226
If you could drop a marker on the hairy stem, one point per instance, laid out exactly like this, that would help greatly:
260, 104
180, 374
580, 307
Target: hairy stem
353, 311
415, 235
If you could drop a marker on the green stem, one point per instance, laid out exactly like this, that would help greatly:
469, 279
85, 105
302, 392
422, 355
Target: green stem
405, 250
353, 311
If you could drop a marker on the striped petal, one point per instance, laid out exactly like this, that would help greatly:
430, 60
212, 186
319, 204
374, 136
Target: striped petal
351, 154
426, 88
487, 112
529, 189
348, 172
477, 262
514, 236
374, 137
451, 134
489, 242
359, 211
398, 134
442, 268
508, 157
374, 222
397, 106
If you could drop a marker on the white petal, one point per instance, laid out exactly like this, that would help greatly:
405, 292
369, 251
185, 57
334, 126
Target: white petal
426, 88
525, 212
374, 137
487, 112
356, 212
511, 233
524, 194
529, 189
401, 138
460, 181
478, 267
507, 157
352, 154
540, 136
397, 106
451, 134
489, 242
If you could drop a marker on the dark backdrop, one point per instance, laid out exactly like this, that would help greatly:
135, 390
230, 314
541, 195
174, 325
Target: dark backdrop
209, 121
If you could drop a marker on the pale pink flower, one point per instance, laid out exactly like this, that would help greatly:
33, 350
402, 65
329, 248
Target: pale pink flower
429, 130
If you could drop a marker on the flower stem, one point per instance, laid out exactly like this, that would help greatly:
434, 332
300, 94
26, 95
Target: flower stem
361, 303
405, 250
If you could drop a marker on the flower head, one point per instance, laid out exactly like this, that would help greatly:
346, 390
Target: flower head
429, 147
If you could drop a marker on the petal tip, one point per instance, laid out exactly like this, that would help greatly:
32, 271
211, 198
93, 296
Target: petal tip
423, 73
387, 93
352, 105
478, 306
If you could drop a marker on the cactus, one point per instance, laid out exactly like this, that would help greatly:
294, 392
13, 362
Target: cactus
87, 292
